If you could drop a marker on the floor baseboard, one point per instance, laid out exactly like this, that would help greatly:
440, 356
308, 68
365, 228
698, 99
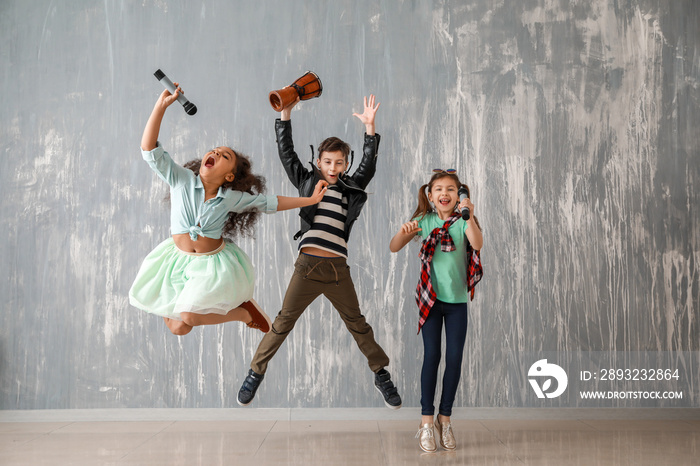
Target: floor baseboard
349, 414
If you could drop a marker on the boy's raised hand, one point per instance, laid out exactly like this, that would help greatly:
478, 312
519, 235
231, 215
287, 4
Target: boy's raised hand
286, 112
367, 117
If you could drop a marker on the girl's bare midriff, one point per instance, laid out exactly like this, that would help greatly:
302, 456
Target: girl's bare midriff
312, 251
202, 245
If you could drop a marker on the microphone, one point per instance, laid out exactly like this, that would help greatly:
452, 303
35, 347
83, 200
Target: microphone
464, 194
190, 108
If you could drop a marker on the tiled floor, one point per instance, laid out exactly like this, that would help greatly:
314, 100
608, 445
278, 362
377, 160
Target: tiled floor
338, 442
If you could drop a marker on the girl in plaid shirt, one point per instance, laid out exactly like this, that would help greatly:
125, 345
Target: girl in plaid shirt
450, 268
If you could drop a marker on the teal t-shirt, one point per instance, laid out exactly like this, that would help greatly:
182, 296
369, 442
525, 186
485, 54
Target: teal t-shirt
448, 271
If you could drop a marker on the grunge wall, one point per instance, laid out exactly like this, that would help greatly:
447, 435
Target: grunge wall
574, 122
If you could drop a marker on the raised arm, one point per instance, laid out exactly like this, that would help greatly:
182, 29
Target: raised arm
368, 164
286, 203
472, 231
286, 112
149, 140
406, 233
367, 117
285, 148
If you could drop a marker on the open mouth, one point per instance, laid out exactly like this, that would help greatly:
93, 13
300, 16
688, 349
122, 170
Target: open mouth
210, 162
444, 201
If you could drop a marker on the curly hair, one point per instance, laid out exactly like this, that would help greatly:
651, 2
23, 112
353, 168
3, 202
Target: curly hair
238, 223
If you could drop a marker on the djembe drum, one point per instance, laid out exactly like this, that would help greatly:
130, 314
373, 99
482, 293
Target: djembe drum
307, 87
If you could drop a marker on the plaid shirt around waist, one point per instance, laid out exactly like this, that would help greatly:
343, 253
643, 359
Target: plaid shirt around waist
425, 294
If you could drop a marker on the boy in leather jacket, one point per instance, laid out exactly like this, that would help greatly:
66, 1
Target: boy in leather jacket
321, 267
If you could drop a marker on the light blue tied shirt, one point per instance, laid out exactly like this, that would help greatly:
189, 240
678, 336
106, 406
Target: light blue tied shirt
189, 212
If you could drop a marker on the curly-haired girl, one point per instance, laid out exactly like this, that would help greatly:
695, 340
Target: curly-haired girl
195, 277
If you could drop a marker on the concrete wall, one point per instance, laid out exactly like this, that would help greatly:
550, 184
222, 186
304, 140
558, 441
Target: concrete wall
574, 122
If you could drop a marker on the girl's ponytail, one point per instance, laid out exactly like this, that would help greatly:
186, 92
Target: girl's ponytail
423, 204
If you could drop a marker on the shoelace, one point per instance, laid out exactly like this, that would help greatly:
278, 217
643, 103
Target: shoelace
428, 430
446, 429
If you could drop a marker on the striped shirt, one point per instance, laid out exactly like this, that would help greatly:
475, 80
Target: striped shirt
328, 229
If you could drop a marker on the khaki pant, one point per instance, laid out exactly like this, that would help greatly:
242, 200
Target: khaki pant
312, 277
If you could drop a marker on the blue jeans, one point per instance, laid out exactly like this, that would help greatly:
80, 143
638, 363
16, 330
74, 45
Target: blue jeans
455, 318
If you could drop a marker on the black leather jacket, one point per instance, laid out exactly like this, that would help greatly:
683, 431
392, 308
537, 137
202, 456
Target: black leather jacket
305, 180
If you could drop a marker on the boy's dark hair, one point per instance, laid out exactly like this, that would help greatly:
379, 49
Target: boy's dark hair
239, 223
333, 144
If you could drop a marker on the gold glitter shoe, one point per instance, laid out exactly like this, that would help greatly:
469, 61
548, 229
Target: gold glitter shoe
447, 437
426, 438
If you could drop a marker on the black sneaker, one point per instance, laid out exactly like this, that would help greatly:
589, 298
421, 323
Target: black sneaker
249, 387
382, 380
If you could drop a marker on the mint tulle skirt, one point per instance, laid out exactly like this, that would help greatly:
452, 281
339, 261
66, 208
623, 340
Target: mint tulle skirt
172, 281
